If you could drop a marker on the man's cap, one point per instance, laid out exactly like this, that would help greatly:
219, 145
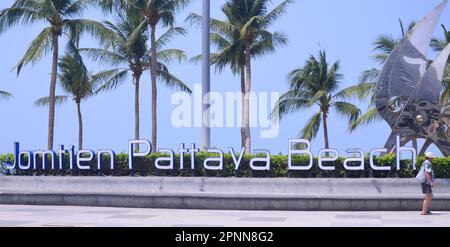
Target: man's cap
430, 155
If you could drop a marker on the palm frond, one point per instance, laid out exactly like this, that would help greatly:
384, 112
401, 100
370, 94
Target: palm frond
268, 42
38, 48
103, 56
77, 8
217, 26
168, 55
319, 96
75, 28
172, 81
360, 91
348, 110
23, 15
49, 9
136, 34
116, 34
196, 59
312, 127
45, 101
438, 44
220, 41
402, 27
288, 103
110, 79
370, 75
109, 6
5, 95
445, 94
250, 25
277, 11
168, 36
367, 118
384, 45
230, 56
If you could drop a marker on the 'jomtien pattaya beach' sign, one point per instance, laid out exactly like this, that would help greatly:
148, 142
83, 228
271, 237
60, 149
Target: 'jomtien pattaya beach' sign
50, 159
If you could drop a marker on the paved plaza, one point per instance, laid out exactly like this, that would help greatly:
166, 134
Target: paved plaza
57, 216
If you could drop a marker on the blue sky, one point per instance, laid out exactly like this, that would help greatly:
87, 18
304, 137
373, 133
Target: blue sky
346, 29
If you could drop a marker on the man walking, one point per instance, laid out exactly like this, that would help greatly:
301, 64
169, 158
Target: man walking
427, 184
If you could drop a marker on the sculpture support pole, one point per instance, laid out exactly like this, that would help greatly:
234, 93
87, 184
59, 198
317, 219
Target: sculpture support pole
425, 146
206, 77
414, 143
390, 143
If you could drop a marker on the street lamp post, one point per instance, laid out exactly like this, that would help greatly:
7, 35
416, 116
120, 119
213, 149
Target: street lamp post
206, 77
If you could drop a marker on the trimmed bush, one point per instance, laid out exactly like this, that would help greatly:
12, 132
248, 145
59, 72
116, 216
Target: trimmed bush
144, 166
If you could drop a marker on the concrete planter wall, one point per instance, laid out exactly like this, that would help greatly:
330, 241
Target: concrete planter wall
223, 193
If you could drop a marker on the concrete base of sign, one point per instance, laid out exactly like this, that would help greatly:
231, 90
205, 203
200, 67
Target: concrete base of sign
224, 193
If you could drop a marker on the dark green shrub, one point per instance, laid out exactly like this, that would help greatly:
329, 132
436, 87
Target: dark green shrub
144, 166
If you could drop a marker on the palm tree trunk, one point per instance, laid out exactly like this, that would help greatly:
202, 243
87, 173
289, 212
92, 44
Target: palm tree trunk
246, 105
51, 110
242, 93
80, 126
325, 129
137, 79
154, 88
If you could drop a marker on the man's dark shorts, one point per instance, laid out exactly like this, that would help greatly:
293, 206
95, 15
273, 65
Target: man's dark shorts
426, 189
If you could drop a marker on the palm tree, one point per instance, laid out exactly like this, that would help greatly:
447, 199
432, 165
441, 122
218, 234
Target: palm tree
438, 45
75, 80
316, 83
226, 38
242, 36
58, 15
126, 49
155, 12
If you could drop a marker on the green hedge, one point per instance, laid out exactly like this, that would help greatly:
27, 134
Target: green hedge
144, 166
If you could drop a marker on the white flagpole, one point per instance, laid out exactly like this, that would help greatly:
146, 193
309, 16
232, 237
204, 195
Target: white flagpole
206, 77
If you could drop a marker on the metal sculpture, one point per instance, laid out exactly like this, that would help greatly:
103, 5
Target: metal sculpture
409, 88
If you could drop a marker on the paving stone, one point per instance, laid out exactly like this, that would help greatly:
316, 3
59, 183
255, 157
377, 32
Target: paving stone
355, 225
349, 216
31, 210
130, 216
106, 212
58, 216
268, 219
227, 214
68, 224
406, 222
13, 223
197, 226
